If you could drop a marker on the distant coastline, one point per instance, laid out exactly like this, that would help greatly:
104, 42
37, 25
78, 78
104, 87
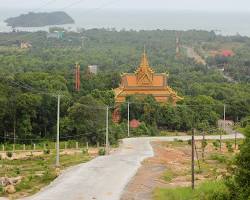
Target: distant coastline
39, 19
224, 23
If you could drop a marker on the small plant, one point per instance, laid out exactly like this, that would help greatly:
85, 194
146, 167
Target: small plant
46, 151
204, 144
101, 152
229, 146
168, 176
17, 170
216, 144
9, 154
219, 158
85, 151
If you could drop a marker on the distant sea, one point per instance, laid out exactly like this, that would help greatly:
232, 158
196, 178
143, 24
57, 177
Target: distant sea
222, 23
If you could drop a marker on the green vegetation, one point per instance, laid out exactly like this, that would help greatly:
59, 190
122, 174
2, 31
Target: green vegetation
239, 184
29, 77
212, 190
37, 171
168, 175
40, 19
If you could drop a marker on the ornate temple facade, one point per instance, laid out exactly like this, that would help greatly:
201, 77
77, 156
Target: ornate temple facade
144, 81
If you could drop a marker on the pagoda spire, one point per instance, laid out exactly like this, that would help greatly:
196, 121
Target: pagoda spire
144, 73
144, 60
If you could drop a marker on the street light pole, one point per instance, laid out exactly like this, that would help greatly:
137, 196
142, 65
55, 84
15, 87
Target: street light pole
107, 130
128, 121
58, 133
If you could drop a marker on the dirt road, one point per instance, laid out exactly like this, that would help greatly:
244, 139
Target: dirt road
105, 178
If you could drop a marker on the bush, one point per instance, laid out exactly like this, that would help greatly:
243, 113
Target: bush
229, 146
17, 170
9, 154
102, 152
168, 175
46, 151
216, 144
204, 144
85, 151
218, 157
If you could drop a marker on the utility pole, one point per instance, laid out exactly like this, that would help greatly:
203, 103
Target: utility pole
224, 124
128, 121
192, 163
107, 130
58, 134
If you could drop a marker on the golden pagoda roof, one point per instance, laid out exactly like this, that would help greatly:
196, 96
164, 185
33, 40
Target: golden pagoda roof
144, 73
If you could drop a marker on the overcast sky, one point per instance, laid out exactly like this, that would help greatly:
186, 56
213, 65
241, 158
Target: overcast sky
199, 5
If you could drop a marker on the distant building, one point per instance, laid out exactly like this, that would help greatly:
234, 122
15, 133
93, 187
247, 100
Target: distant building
227, 53
144, 81
56, 35
93, 69
25, 45
223, 53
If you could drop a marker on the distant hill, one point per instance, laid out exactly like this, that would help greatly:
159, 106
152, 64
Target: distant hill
40, 19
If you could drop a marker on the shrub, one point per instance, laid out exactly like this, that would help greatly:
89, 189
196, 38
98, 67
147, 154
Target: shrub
9, 154
46, 151
168, 175
216, 144
17, 170
102, 152
220, 158
229, 146
85, 151
204, 144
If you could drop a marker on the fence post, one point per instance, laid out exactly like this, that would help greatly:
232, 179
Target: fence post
24, 147
34, 147
13, 147
76, 145
65, 145
87, 146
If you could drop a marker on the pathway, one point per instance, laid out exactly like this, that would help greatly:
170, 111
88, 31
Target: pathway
105, 178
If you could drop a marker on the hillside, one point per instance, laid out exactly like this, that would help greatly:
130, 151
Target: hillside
40, 19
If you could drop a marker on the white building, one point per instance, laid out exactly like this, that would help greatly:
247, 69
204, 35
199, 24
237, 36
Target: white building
93, 69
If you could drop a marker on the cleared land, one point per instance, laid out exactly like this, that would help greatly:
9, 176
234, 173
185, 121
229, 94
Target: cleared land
170, 168
32, 170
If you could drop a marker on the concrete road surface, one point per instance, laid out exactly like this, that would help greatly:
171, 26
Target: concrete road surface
104, 178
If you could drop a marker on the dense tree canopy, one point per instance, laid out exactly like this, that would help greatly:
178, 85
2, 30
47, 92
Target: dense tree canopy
31, 78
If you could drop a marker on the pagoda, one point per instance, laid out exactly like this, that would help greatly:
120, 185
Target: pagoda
144, 81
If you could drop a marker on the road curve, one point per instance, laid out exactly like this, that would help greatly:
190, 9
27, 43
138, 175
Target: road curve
105, 177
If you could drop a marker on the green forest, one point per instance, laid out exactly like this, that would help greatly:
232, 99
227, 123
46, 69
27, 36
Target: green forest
31, 79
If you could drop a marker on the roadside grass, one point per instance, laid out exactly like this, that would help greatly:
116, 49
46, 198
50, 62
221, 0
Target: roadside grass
168, 175
241, 130
36, 171
208, 177
207, 190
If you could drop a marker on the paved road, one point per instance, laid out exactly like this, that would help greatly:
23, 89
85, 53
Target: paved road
104, 178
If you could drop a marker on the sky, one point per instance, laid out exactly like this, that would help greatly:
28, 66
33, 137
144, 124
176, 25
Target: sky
192, 5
